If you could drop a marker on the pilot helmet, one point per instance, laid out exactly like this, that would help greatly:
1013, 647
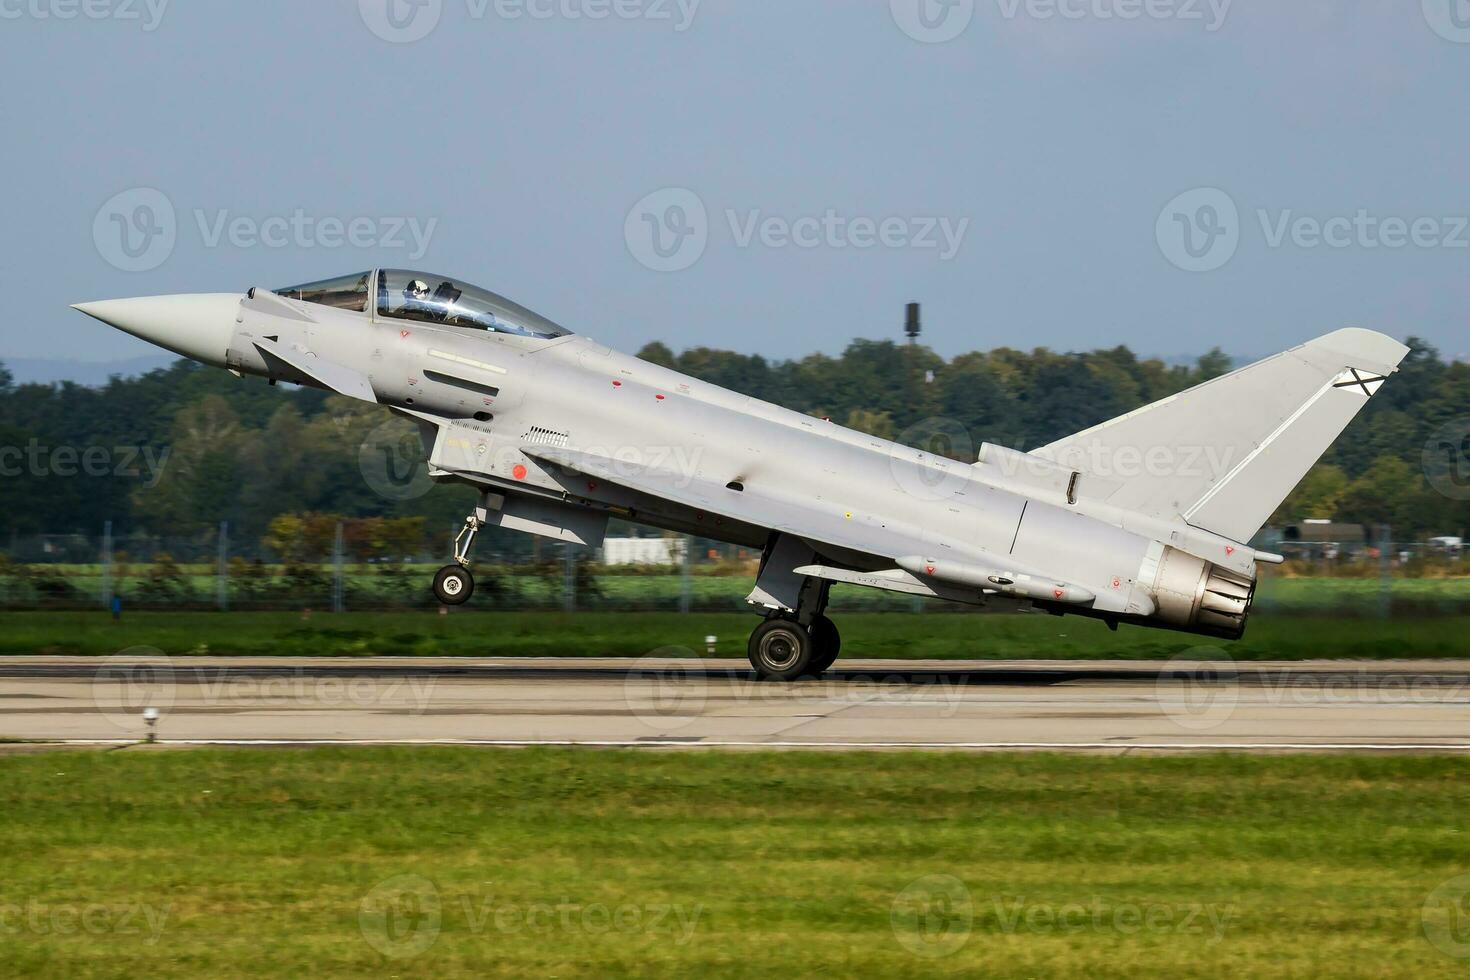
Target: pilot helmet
417, 289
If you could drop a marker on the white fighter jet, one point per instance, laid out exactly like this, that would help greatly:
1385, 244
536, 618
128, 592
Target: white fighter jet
1143, 520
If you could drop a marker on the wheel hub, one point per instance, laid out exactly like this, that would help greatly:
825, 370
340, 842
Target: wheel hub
779, 650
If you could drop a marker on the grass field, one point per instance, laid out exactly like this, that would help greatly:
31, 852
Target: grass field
617, 591
894, 635
452, 863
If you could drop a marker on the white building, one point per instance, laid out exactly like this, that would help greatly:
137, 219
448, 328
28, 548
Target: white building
644, 551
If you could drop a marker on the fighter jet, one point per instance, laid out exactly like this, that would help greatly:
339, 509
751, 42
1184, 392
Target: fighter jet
1143, 520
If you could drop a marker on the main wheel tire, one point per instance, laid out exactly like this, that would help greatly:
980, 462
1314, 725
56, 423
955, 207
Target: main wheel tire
827, 643
453, 585
781, 649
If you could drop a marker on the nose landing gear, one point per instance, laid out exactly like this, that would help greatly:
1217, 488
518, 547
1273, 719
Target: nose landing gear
453, 584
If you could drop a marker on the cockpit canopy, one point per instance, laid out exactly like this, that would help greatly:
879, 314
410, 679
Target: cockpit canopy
427, 298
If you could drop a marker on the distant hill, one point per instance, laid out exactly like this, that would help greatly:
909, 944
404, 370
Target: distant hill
90, 373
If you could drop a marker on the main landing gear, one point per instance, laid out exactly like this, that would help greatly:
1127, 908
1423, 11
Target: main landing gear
782, 649
453, 584
796, 639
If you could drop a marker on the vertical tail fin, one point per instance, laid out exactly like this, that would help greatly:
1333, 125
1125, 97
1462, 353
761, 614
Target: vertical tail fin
1223, 455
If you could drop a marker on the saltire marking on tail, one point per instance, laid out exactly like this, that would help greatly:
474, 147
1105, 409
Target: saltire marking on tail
1353, 378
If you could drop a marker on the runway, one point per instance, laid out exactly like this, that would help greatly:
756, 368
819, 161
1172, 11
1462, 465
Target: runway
1113, 707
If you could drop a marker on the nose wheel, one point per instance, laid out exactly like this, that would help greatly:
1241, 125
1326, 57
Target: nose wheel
454, 585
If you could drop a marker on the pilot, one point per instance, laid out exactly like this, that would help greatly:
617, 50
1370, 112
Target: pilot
416, 300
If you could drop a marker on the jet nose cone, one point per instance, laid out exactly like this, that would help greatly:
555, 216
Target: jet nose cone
197, 325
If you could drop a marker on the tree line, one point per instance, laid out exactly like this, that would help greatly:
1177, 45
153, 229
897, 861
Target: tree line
177, 450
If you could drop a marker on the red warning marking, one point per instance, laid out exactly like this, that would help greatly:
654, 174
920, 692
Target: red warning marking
403, 334
617, 384
1117, 582
659, 397
1058, 593
929, 569
591, 485
1229, 550
519, 472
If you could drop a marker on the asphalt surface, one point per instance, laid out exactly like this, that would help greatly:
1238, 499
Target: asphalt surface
989, 705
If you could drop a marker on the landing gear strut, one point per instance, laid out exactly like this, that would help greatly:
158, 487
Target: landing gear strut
453, 584
797, 639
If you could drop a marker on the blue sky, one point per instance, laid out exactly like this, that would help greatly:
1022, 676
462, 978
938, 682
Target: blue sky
1169, 174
